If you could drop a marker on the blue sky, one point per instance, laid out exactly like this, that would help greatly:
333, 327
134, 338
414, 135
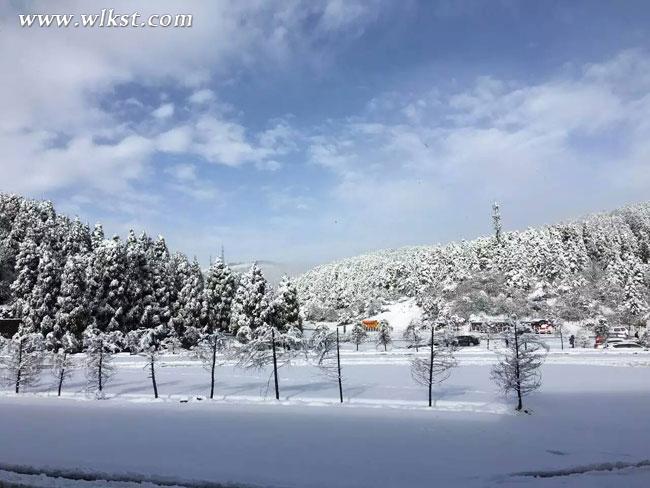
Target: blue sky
304, 131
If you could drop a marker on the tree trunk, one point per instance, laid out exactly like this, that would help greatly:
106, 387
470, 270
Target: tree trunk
517, 372
214, 363
275, 366
561, 339
62, 374
152, 362
338, 364
385, 349
20, 364
431, 367
357, 346
101, 361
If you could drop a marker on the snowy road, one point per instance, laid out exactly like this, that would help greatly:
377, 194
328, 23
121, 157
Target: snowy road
591, 412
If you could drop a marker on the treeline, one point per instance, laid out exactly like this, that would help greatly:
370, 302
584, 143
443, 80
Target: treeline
61, 279
579, 271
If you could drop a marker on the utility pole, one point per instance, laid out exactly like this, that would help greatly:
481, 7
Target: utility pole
496, 221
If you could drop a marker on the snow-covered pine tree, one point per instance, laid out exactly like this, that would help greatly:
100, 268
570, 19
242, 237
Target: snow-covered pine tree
358, 334
384, 338
138, 310
97, 236
189, 306
99, 348
21, 359
73, 313
132, 340
107, 285
250, 302
635, 292
518, 369
26, 272
284, 309
62, 363
43, 296
162, 282
218, 296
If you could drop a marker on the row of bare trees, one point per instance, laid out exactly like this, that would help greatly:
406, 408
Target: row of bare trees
517, 370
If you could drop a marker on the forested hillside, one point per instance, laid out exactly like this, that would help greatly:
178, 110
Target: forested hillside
58, 276
580, 270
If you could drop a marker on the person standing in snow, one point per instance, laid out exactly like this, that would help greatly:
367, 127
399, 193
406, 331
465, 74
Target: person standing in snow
572, 341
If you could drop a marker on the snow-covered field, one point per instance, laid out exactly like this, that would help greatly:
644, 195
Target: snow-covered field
591, 413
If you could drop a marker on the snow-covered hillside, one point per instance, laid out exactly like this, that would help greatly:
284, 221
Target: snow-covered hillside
579, 270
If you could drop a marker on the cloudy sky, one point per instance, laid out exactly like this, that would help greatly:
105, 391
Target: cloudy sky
306, 130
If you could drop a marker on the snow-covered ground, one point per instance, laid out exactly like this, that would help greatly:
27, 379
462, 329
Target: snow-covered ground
590, 414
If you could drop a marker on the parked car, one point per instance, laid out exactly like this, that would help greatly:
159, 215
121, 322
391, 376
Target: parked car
545, 329
466, 341
611, 341
626, 345
619, 331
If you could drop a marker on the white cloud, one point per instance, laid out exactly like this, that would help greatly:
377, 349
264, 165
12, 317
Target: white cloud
56, 96
165, 111
185, 180
574, 142
200, 97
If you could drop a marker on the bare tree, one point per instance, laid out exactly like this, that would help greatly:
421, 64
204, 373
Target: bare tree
210, 344
261, 350
518, 368
149, 347
21, 359
326, 345
436, 368
560, 331
62, 362
99, 347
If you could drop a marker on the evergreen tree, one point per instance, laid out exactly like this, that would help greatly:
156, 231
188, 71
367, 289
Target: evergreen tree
73, 311
384, 338
358, 334
284, 309
250, 302
218, 296
107, 285
26, 271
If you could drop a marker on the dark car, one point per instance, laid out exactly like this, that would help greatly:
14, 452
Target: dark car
466, 341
